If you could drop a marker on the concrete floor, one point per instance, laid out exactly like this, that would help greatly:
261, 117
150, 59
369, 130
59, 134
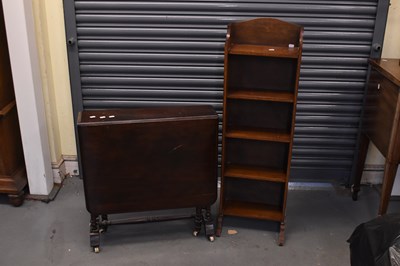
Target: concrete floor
319, 221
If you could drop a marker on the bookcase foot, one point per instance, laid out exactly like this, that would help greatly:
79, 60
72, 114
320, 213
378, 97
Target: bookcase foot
219, 226
281, 239
16, 200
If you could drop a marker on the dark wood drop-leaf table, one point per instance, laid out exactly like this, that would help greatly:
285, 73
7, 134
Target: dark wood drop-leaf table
146, 159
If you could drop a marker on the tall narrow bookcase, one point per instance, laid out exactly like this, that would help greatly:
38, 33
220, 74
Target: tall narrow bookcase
262, 65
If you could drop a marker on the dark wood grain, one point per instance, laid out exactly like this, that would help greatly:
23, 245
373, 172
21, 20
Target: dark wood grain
255, 173
261, 95
261, 70
12, 170
253, 210
269, 154
268, 192
380, 124
379, 110
388, 177
261, 50
266, 31
259, 114
389, 68
253, 133
149, 159
251, 73
6, 82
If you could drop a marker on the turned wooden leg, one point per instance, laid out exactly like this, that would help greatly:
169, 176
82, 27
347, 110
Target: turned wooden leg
209, 225
198, 221
281, 239
16, 199
388, 180
95, 233
362, 155
104, 223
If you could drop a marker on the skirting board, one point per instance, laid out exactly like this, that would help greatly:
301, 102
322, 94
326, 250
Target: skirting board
67, 166
373, 174
396, 185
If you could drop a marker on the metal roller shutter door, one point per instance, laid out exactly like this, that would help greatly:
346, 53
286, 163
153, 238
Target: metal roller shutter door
137, 53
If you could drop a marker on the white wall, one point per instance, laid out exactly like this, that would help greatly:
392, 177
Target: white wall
51, 42
391, 46
50, 32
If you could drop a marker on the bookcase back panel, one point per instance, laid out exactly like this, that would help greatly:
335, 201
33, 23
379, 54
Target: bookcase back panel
261, 73
255, 192
259, 114
267, 154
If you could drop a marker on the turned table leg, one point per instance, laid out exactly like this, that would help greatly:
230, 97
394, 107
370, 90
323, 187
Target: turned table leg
209, 225
104, 223
198, 221
388, 180
95, 233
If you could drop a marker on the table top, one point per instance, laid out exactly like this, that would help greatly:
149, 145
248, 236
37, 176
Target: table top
388, 67
139, 115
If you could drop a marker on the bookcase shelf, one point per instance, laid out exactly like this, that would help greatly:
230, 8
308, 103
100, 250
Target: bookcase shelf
262, 50
258, 134
273, 96
261, 73
255, 173
253, 210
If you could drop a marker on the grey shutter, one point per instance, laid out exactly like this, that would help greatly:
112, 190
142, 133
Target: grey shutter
141, 53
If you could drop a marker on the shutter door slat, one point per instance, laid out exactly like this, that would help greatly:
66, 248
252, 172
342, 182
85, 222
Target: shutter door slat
138, 46
151, 59
151, 53
154, 71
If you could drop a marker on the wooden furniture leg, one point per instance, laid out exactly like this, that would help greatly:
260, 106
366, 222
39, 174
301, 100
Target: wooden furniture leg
281, 239
16, 199
104, 223
198, 221
219, 225
209, 225
95, 233
388, 180
362, 155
